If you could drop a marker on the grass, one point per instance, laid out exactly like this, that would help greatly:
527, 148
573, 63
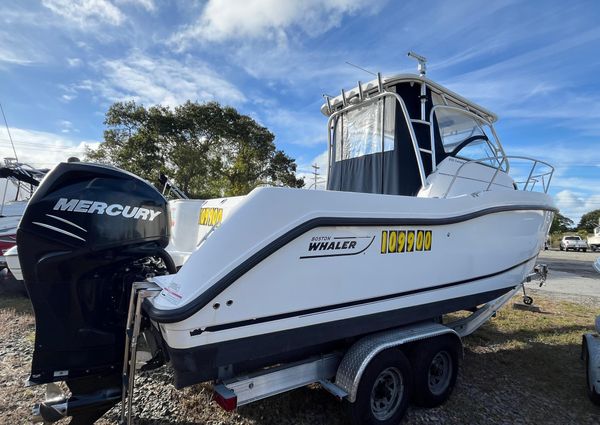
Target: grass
520, 367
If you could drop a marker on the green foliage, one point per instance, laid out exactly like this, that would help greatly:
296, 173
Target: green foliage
589, 221
561, 224
207, 149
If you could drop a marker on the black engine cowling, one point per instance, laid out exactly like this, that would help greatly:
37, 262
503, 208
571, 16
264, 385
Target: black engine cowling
87, 234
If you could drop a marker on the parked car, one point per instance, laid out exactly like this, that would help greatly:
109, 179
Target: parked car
573, 242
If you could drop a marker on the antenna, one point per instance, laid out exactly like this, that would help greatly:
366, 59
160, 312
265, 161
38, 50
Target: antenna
9, 135
422, 67
328, 100
379, 82
362, 69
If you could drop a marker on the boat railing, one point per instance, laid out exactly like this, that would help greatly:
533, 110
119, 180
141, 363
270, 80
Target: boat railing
544, 177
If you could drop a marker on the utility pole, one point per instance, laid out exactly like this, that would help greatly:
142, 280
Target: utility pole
315, 173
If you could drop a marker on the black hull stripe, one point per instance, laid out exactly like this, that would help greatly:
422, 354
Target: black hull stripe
351, 303
250, 353
184, 312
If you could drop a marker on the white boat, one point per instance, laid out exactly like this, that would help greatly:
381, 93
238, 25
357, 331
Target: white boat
20, 180
416, 176
594, 241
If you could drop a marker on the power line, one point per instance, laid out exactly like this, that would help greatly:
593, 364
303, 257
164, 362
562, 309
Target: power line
43, 144
8, 131
315, 173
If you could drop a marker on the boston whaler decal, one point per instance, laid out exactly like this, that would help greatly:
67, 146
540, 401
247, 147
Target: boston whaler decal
98, 207
335, 246
399, 241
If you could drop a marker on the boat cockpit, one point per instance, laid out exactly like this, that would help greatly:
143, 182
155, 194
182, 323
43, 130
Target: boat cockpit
407, 135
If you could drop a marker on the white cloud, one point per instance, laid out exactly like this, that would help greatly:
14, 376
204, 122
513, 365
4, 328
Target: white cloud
238, 19
86, 12
307, 129
67, 126
574, 204
19, 49
73, 62
159, 80
561, 154
67, 97
13, 57
42, 149
148, 5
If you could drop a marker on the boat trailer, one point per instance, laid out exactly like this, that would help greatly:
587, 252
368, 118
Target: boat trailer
338, 372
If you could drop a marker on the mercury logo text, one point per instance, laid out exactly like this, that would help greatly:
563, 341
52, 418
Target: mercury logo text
99, 207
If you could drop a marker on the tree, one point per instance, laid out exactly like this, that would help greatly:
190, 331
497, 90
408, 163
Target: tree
207, 149
589, 221
561, 224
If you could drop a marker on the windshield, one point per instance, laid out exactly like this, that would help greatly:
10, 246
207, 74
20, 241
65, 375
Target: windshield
455, 127
573, 238
467, 137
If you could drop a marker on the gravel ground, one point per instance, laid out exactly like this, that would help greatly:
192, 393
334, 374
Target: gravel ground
519, 368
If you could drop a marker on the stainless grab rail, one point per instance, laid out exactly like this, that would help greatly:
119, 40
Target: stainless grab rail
531, 178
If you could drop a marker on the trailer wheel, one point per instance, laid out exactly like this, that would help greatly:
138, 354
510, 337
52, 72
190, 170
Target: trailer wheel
384, 390
592, 394
435, 365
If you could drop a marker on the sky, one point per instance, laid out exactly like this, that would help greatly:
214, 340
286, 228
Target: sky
534, 63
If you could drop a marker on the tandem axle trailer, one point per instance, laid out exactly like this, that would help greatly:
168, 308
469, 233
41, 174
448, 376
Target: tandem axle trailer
376, 377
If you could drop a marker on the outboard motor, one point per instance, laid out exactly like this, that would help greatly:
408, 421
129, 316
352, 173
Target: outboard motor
87, 234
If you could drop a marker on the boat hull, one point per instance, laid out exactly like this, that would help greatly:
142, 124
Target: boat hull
214, 361
319, 285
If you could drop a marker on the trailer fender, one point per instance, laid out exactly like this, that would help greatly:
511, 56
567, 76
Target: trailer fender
591, 343
364, 350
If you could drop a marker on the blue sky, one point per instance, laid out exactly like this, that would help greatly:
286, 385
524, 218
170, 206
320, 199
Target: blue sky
535, 63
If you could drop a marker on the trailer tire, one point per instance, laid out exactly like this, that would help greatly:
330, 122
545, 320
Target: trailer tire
384, 390
591, 391
435, 366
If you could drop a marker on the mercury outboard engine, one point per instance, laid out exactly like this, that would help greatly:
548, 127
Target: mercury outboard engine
87, 234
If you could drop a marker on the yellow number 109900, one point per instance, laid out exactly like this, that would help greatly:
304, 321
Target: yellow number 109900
399, 241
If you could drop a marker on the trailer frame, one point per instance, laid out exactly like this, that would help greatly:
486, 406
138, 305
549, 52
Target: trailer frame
338, 372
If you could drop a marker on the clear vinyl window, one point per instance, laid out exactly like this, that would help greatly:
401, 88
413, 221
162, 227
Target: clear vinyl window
365, 130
